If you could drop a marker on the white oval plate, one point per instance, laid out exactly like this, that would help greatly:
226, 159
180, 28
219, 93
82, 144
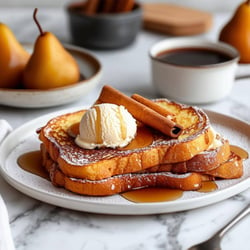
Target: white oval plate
90, 68
24, 139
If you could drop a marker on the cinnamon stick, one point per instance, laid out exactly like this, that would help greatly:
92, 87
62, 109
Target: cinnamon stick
140, 111
124, 5
108, 6
156, 107
91, 6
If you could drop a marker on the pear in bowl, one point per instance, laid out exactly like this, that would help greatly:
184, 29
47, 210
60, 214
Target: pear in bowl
50, 65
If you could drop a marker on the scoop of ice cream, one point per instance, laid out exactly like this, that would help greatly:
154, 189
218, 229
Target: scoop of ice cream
106, 125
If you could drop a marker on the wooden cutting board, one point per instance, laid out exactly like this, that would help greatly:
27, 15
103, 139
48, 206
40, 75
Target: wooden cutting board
175, 20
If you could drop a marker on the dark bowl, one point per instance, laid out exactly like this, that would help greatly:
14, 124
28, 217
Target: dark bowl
103, 31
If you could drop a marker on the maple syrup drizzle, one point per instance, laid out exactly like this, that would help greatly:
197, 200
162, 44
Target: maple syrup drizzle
143, 138
152, 195
98, 126
242, 153
208, 186
123, 128
32, 163
73, 130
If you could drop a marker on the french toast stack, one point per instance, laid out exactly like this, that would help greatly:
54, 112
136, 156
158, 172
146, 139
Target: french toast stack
182, 159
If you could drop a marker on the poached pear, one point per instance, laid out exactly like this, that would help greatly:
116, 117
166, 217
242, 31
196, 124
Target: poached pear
237, 31
50, 65
13, 58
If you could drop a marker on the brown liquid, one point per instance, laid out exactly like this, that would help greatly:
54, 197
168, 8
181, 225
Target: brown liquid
73, 130
152, 195
192, 57
208, 186
32, 163
122, 125
143, 138
243, 154
98, 125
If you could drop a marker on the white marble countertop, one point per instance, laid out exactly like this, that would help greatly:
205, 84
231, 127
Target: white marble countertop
37, 225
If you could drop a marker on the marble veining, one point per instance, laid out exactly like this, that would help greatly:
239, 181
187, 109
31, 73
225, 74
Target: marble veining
174, 223
36, 225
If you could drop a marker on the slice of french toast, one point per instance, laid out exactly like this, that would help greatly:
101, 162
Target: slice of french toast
207, 160
231, 168
118, 183
96, 164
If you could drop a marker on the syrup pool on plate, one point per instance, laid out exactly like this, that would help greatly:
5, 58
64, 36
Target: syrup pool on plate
243, 154
208, 186
32, 163
152, 195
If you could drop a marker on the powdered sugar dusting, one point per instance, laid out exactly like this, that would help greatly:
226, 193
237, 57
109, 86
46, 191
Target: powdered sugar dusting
139, 176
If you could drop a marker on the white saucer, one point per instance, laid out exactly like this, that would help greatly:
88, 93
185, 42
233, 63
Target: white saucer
90, 69
24, 139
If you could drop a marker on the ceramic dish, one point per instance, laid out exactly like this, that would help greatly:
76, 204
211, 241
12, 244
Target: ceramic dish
206, 75
24, 139
90, 69
103, 30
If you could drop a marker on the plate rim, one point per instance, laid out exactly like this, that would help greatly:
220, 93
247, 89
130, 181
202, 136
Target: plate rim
71, 202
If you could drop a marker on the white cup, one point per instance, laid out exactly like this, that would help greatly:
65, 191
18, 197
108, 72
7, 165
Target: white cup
193, 84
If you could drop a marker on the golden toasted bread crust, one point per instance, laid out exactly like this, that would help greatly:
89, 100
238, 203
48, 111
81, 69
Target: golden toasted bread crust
205, 161
231, 168
76, 162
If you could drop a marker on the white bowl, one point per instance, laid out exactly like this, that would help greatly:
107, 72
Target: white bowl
193, 84
90, 69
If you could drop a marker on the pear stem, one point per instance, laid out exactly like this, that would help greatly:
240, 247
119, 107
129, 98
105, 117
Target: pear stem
37, 23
